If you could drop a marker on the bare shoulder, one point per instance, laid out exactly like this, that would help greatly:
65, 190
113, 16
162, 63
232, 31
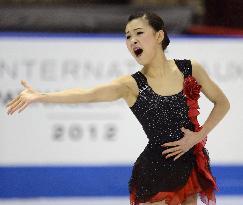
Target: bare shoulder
130, 86
210, 89
123, 79
199, 72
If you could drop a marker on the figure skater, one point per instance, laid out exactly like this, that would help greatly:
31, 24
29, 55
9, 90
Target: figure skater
174, 166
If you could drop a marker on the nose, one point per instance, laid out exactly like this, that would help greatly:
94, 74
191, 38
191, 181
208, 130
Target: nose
134, 40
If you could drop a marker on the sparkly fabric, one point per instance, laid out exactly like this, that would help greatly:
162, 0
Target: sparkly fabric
154, 176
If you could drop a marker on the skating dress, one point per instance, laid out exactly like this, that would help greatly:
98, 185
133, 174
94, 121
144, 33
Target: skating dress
155, 178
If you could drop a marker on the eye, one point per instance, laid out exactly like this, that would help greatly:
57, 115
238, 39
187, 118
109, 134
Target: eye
140, 32
128, 37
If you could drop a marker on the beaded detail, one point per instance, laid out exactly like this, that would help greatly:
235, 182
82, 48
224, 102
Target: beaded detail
161, 118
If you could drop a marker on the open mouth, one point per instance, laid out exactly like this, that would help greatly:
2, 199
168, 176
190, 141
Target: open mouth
138, 51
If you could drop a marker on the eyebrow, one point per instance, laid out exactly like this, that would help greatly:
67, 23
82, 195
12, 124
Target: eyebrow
134, 29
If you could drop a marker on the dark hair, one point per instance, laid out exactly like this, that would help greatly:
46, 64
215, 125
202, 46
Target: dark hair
155, 22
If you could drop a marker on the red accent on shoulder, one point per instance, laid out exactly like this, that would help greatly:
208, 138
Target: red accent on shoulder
191, 88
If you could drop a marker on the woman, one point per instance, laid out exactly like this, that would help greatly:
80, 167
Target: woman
163, 95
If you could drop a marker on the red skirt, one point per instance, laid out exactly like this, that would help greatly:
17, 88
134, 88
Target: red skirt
177, 197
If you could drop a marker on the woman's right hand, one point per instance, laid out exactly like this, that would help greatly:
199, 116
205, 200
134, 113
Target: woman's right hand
26, 97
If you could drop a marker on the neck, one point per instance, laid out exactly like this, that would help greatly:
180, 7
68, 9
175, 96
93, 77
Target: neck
158, 67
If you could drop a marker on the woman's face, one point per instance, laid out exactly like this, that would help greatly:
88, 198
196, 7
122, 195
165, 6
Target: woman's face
142, 41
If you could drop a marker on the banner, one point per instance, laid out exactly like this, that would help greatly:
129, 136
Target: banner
105, 132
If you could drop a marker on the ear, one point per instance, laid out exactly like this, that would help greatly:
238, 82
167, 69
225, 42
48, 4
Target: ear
160, 36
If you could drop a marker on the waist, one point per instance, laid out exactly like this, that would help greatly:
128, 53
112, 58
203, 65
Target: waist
163, 138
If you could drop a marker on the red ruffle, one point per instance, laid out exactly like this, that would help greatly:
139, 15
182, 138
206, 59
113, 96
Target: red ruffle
177, 197
202, 160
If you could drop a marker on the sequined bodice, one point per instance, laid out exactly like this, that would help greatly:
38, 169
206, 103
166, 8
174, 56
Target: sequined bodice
161, 116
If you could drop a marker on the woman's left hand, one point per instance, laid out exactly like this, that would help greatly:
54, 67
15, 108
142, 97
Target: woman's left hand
180, 147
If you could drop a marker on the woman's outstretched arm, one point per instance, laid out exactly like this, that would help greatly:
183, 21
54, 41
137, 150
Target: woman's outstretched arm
111, 91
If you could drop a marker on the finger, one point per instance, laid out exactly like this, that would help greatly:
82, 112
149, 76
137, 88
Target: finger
12, 101
23, 107
173, 149
178, 156
173, 154
12, 107
183, 129
15, 104
25, 84
170, 144
18, 106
